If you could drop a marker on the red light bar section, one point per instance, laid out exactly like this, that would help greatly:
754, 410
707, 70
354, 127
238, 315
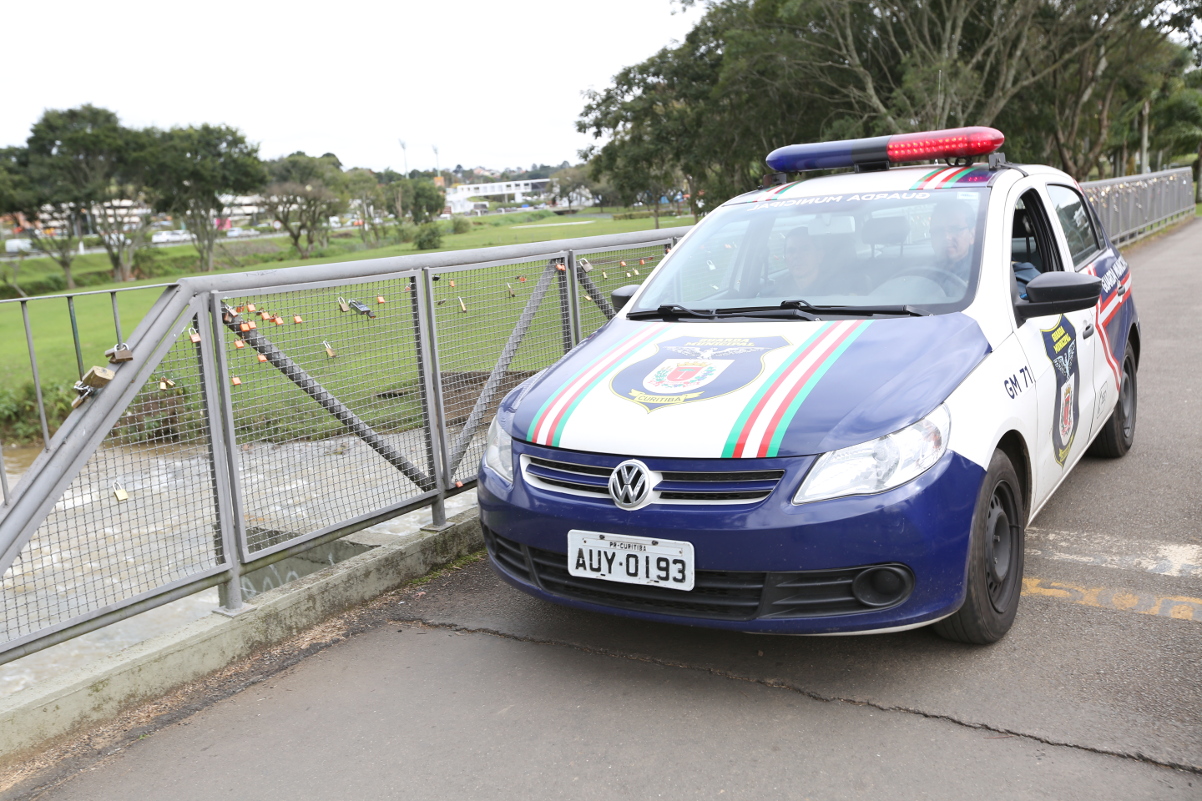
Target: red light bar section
950, 144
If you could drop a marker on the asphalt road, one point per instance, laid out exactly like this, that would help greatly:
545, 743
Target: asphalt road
473, 690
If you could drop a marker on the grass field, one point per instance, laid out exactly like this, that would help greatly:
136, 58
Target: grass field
51, 324
474, 337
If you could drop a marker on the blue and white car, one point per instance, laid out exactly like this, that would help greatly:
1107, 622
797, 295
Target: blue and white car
833, 408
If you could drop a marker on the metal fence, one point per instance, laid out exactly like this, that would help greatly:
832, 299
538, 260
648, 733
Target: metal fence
265, 413
1138, 205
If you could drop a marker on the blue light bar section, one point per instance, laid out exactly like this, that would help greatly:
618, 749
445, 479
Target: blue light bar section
830, 155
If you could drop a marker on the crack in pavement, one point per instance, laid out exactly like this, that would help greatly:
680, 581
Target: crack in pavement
779, 684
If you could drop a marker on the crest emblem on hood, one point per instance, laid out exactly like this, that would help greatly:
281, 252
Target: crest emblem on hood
690, 368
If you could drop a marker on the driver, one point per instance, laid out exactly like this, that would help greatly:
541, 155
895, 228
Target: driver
805, 257
953, 234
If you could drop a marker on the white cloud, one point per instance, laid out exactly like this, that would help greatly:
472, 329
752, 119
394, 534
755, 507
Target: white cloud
492, 83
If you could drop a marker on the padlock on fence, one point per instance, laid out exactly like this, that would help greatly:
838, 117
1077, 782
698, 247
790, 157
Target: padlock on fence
119, 492
119, 353
97, 377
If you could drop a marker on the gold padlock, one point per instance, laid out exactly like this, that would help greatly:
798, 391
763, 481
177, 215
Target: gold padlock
235, 380
343, 305
194, 335
462, 305
330, 354
97, 377
512, 294
262, 358
250, 307
165, 383
119, 492
119, 353
296, 319
239, 344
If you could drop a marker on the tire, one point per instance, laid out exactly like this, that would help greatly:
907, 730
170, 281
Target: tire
995, 559
1118, 432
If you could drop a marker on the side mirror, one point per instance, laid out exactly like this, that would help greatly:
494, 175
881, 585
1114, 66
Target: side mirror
1058, 293
622, 295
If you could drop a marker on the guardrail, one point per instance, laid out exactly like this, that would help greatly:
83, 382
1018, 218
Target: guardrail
1135, 206
265, 413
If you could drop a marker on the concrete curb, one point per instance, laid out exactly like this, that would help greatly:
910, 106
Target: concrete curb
35, 717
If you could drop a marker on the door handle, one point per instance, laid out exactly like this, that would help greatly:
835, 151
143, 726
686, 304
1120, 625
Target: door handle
1088, 332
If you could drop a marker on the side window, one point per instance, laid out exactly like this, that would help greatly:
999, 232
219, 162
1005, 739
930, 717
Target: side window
1032, 244
1075, 220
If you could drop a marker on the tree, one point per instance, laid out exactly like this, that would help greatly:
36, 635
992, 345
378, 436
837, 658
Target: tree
196, 172
426, 201
121, 208
570, 183
367, 194
65, 166
303, 194
753, 75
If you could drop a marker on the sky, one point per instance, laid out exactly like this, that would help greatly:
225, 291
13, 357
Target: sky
495, 84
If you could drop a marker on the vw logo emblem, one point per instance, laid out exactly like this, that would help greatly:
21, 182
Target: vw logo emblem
629, 484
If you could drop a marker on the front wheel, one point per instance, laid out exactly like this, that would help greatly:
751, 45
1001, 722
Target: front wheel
995, 559
1118, 433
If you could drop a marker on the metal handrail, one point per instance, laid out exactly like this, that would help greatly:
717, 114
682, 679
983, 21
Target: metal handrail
173, 315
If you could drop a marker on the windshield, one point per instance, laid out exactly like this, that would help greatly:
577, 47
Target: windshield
885, 249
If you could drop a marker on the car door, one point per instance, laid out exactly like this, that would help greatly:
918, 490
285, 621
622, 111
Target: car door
1090, 254
1058, 348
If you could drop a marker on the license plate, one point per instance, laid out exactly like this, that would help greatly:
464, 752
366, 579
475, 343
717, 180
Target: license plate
631, 560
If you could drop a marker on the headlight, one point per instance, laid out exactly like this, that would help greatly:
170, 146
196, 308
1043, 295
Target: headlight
880, 464
498, 453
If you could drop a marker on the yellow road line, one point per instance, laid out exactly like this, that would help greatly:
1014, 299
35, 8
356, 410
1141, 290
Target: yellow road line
1178, 607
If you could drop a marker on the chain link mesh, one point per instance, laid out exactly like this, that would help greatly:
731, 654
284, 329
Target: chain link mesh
94, 549
302, 466
609, 270
518, 311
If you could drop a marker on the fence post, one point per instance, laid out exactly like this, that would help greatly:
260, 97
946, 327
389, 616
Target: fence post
432, 405
565, 304
574, 294
231, 523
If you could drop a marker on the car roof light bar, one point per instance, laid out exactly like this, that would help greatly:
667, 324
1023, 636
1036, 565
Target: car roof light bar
878, 152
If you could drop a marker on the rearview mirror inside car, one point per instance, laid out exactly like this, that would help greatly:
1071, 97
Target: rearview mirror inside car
1058, 293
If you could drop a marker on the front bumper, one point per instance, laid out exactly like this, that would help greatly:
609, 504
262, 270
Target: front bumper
750, 558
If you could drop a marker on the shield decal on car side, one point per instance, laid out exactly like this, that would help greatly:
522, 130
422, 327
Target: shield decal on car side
1060, 342
696, 368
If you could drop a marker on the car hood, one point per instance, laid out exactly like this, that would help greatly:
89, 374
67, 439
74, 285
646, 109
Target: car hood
744, 390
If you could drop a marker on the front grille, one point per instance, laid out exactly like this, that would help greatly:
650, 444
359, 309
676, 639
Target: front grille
717, 487
716, 594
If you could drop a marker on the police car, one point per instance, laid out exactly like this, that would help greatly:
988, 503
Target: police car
833, 408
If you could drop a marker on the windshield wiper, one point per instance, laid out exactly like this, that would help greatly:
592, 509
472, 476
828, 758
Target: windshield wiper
674, 310
906, 309
670, 310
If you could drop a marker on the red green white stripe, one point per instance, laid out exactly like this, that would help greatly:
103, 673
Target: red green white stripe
551, 418
761, 426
